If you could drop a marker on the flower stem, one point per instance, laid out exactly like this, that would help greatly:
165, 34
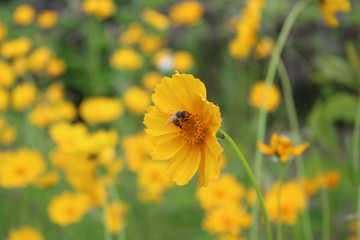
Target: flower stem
281, 180
253, 181
355, 160
107, 234
294, 13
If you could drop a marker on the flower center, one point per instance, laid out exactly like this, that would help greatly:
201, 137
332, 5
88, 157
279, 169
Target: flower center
192, 129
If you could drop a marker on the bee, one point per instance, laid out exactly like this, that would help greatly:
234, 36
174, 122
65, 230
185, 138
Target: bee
178, 117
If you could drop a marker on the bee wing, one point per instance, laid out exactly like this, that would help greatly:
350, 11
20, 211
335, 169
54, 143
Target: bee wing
170, 120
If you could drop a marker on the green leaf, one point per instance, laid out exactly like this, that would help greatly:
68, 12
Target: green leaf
341, 108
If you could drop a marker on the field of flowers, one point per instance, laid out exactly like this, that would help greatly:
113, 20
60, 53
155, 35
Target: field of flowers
182, 119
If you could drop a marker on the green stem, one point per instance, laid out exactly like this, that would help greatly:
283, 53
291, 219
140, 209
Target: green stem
252, 179
326, 214
281, 180
295, 132
294, 13
355, 160
107, 233
115, 196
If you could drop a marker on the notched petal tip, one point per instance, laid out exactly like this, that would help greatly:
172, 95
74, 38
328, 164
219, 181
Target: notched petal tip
298, 150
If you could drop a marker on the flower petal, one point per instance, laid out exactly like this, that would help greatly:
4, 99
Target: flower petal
167, 146
155, 121
298, 150
265, 149
184, 164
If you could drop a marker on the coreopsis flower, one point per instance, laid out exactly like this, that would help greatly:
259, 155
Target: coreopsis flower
3, 31
23, 95
136, 100
7, 76
101, 109
126, 58
183, 61
132, 35
68, 208
155, 19
150, 43
8, 135
4, 99
24, 14
282, 147
224, 191
39, 58
184, 125
102, 9
55, 92
293, 201
47, 19
329, 8
24, 232
229, 218
329, 180
151, 79
264, 48
20, 66
187, 12
115, 214
20, 168
16, 48
261, 94
55, 67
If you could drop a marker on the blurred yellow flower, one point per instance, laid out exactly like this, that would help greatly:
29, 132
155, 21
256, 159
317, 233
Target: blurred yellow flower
311, 186
136, 100
3, 31
231, 237
16, 48
151, 79
229, 218
183, 61
101, 109
264, 47
68, 208
132, 35
102, 9
23, 95
150, 43
4, 99
329, 8
155, 19
7, 76
282, 147
47, 180
186, 12
20, 66
184, 125
20, 168
163, 60
292, 202
47, 19
55, 67
329, 180
126, 58
261, 94
24, 14
115, 214
38, 59
24, 232
8, 135
55, 92
225, 190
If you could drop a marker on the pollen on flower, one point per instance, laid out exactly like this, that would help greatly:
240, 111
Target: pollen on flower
193, 129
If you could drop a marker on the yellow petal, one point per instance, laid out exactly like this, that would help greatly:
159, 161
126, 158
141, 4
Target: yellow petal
184, 164
298, 150
155, 121
284, 158
167, 146
265, 148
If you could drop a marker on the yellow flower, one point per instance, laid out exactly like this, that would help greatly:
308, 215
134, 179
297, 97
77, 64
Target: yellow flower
20, 66
152, 180
8, 135
24, 15
3, 31
311, 186
137, 150
184, 125
102, 9
55, 92
47, 18
224, 191
101, 109
49, 179
39, 58
115, 214
329, 180
132, 35
282, 147
292, 202
260, 94
7, 76
151, 79
126, 58
23, 96
4, 99
229, 218
331, 7
150, 43
16, 48
20, 168
187, 12
155, 19
136, 100
264, 48
183, 61
25, 232
68, 208
55, 67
